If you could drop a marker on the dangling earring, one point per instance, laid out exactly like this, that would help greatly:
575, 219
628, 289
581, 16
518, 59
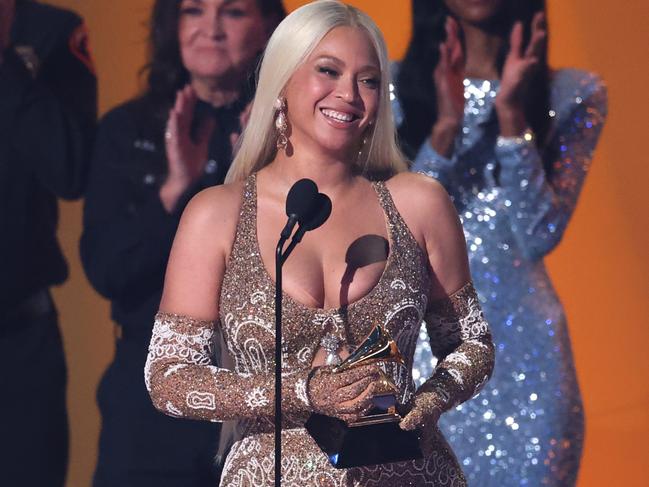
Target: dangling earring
280, 122
364, 141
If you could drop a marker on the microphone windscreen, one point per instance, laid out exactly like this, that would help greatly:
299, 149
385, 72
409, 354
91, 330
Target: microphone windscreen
320, 214
301, 198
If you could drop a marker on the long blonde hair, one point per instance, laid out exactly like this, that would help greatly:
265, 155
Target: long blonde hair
289, 46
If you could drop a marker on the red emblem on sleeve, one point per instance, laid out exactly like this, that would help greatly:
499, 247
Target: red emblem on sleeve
80, 46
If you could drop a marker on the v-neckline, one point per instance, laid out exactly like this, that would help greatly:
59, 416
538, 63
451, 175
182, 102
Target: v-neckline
333, 310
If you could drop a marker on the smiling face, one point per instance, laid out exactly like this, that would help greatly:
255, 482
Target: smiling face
476, 12
333, 96
220, 37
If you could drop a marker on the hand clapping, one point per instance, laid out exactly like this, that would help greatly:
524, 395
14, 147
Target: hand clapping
449, 90
186, 155
520, 65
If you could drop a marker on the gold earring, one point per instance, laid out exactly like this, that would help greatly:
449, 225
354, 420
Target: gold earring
280, 122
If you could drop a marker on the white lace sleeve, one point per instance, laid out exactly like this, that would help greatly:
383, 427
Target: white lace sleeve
183, 382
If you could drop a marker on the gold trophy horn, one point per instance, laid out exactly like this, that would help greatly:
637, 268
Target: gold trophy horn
378, 346
375, 438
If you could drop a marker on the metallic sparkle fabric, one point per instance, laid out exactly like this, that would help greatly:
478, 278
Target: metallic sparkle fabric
526, 427
183, 382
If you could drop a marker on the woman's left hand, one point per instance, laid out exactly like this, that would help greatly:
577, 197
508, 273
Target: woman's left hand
425, 410
519, 68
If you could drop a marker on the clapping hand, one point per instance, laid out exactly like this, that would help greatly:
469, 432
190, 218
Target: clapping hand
449, 75
520, 65
186, 154
448, 78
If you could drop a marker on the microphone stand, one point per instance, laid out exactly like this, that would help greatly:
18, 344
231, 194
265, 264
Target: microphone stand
279, 261
280, 258
314, 221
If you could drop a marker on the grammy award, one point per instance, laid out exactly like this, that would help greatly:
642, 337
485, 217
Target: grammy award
376, 437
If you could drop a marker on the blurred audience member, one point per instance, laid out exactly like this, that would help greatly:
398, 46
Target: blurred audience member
512, 141
47, 121
152, 155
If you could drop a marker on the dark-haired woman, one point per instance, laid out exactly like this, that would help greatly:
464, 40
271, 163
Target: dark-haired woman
512, 141
152, 155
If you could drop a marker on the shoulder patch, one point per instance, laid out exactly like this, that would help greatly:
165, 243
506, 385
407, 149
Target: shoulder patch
79, 45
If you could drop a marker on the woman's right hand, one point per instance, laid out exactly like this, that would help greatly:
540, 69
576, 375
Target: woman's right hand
448, 78
186, 155
344, 395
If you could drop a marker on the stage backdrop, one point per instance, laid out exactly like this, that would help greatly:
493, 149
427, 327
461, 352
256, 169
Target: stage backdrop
600, 270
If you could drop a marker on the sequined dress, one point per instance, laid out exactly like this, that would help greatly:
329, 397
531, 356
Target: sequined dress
527, 425
183, 382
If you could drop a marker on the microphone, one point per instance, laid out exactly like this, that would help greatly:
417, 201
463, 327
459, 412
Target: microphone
299, 204
319, 214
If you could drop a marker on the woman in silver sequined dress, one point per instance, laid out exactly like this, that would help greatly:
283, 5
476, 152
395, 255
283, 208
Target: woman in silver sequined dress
321, 111
511, 141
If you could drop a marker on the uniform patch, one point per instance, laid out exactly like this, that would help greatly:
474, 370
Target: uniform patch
30, 58
79, 45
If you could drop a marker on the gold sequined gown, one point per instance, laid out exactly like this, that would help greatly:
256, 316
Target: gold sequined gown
183, 382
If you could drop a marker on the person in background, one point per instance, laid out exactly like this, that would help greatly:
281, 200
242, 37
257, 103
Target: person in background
47, 122
152, 155
512, 141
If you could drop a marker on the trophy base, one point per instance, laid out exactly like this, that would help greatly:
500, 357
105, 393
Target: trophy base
370, 441
376, 419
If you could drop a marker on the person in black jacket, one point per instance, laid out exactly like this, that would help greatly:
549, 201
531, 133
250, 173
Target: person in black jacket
151, 156
47, 122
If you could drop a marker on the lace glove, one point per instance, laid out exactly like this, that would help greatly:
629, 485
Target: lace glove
183, 382
425, 409
461, 339
346, 395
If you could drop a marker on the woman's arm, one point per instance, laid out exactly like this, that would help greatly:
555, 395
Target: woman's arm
179, 373
457, 330
542, 205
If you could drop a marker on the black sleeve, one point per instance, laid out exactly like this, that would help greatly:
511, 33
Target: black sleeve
48, 139
127, 233
68, 71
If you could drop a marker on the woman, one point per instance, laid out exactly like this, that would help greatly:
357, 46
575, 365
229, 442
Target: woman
512, 141
324, 84
152, 155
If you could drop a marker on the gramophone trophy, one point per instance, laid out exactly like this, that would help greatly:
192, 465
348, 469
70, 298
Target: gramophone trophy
376, 437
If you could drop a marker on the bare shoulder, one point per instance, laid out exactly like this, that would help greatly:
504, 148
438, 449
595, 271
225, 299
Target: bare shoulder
200, 251
432, 218
213, 214
422, 202
218, 204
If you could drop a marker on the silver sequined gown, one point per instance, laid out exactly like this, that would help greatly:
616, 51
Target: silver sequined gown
183, 382
527, 425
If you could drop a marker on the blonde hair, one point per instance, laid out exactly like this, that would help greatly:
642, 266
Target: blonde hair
289, 46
